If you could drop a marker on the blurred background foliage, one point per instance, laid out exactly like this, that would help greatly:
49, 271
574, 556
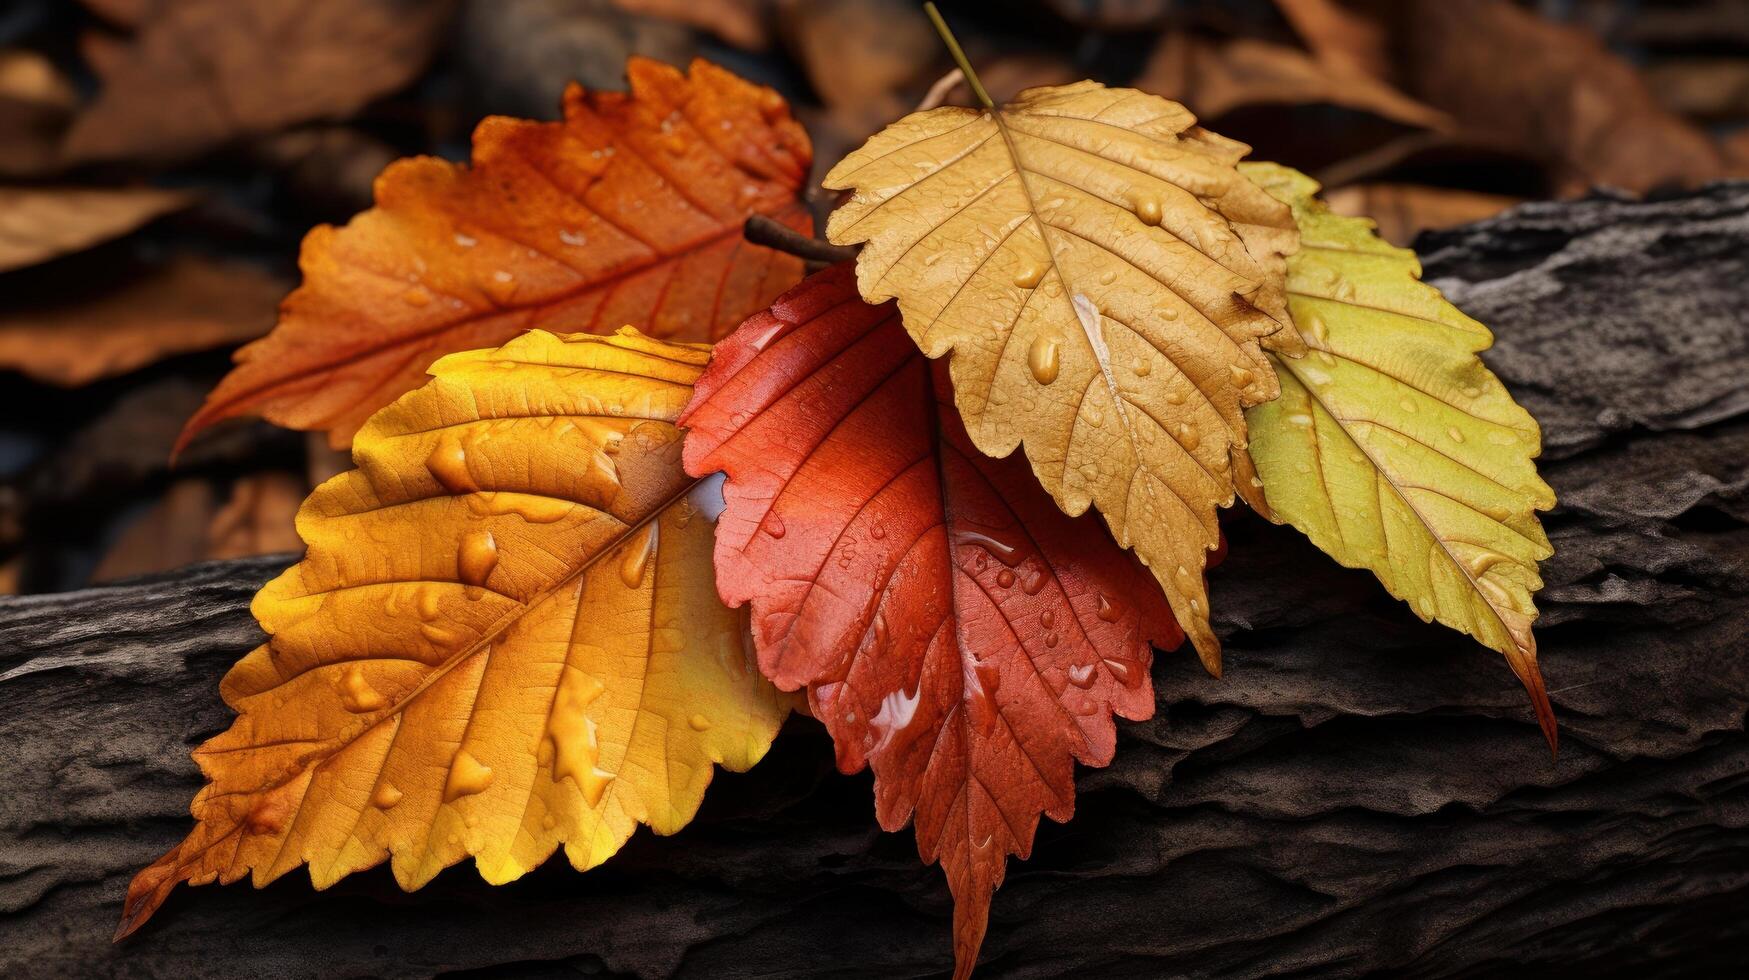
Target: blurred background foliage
160, 160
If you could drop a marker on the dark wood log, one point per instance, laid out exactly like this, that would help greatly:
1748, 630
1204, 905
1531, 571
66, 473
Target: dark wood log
1362, 793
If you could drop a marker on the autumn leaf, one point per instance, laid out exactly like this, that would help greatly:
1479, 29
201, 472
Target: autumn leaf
505, 637
1103, 278
199, 73
630, 209
1393, 447
186, 303
953, 628
41, 223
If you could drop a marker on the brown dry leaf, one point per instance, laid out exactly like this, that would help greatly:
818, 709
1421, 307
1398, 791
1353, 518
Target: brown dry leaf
1403, 211
1215, 77
40, 223
36, 103
1064, 248
1108, 15
200, 73
629, 209
1704, 88
521, 55
1349, 41
1736, 150
1553, 89
259, 519
1506, 73
168, 534
742, 23
188, 304
860, 54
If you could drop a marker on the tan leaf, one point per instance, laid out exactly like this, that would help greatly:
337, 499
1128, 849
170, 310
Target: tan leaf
188, 304
1103, 277
1403, 211
202, 72
259, 519
1216, 77
739, 22
40, 223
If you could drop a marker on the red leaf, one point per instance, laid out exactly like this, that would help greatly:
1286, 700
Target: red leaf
953, 628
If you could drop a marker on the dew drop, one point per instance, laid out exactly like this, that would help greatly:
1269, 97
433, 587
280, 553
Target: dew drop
416, 296
575, 239
385, 797
1031, 586
699, 723
467, 776
1169, 313
1124, 671
1141, 366
1081, 675
1406, 404
774, 525
1482, 561
1107, 277
1315, 326
1042, 358
1453, 434
1051, 641
448, 464
356, 694
1148, 209
1006, 552
877, 532
466, 241
476, 557
1047, 619
637, 557
1005, 578
428, 604
1029, 276
1300, 419
1109, 611
1187, 437
1174, 396
1242, 377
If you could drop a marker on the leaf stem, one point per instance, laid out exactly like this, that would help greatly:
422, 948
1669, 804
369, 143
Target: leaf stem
959, 55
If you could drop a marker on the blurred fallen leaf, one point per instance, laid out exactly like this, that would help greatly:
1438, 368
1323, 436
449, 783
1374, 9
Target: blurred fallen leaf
121, 13
1108, 15
187, 304
201, 72
1215, 77
1346, 40
259, 518
1553, 89
36, 103
168, 534
329, 169
1503, 71
1736, 150
521, 54
861, 54
742, 23
1403, 211
1703, 88
1007, 73
40, 223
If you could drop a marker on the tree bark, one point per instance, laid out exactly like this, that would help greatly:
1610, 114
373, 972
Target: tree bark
1362, 793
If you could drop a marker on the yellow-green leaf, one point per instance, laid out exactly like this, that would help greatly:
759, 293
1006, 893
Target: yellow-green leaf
505, 636
1393, 447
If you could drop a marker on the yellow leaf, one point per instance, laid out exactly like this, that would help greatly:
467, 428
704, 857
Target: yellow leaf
505, 636
1103, 277
1392, 447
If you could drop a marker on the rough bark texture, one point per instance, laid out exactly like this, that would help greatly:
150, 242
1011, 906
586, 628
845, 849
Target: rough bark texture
1362, 793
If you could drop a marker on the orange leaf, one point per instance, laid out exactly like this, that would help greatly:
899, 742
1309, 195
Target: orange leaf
628, 210
954, 629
